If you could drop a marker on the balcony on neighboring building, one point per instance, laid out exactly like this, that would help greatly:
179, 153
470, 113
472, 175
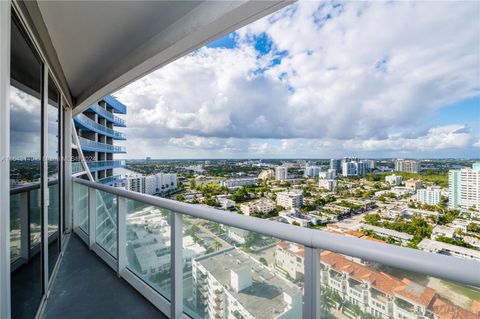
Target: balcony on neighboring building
93, 146
86, 123
116, 121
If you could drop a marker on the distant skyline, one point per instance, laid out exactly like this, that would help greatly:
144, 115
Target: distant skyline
320, 80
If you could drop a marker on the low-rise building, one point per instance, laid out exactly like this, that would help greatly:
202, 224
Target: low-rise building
403, 238
226, 203
294, 217
448, 249
237, 234
430, 195
262, 206
290, 199
230, 284
442, 231
238, 182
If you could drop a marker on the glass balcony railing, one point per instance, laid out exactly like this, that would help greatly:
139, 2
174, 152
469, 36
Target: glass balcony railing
89, 145
107, 115
87, 123
25, 221
197, 261
96, 166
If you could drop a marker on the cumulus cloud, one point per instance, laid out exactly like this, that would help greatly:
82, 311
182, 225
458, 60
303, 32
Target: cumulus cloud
328, 75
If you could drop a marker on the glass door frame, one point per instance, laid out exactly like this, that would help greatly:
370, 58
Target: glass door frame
7, 11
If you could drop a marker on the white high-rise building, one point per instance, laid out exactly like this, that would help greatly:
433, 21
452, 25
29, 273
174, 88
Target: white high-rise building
152, 184
409, 166
336, 164
429, 195
329, 184
329, 174
454, 187
353, 168
289, 200
311, 171
281, 173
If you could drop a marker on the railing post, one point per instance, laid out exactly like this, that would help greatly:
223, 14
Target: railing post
311, 306
67, 168
176, 261
121, 235
92, 207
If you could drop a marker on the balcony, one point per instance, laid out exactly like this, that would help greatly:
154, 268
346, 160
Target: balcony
107, 115
111, 179
97, 166
88, 124
107, 219
93, 146
116, 105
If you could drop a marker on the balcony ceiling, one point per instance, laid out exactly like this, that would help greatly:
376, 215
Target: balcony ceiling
95, 48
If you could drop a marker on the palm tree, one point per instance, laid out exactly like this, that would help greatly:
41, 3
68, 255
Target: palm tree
325, 304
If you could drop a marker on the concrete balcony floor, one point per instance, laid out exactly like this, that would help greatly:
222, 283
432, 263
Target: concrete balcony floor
86, 287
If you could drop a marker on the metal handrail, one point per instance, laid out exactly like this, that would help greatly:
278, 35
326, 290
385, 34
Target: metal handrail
85, 120
447, 267
84, 142
107, 115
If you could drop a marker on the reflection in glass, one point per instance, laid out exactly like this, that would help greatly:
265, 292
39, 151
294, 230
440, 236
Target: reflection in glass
15, 228
106, 222
148, 244
25, 152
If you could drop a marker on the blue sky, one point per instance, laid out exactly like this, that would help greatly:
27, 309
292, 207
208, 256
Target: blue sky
320, 79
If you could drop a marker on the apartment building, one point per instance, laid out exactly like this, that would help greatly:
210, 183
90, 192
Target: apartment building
329, 174
290, 199
336, 164
266, 174
413, 184
152, 184
352, 166
262, 206
311, 171
455, 189
281, 173
228, 285
430, 195
96, 133
373, 291
394, 179
238, 182
464, 187
408, 166
329, 184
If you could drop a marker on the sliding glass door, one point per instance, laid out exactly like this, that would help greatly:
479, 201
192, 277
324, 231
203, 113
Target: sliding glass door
35, 175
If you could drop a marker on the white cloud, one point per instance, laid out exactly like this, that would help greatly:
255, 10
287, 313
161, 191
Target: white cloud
353, 74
